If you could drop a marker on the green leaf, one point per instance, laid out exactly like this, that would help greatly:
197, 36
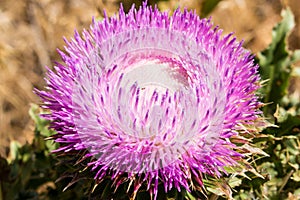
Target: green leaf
296, 55
42, 125
234, 182
14, 150
296, 72
296, 176
276, 63
285, 128
189, 196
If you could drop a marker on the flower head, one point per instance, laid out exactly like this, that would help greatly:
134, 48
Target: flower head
153, 98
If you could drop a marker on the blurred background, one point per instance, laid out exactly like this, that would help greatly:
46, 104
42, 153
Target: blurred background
32, 30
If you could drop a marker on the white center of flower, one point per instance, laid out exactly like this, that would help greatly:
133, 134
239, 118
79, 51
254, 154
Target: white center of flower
151, 75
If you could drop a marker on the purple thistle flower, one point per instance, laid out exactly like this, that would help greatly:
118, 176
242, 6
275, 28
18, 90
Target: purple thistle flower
153, 96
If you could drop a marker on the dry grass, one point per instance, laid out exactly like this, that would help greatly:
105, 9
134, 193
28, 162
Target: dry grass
31, 30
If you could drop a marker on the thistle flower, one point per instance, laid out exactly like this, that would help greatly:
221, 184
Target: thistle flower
151, 99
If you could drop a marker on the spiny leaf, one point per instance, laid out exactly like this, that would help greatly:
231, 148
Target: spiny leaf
276, 63
189, 196
285, 128
234, 182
